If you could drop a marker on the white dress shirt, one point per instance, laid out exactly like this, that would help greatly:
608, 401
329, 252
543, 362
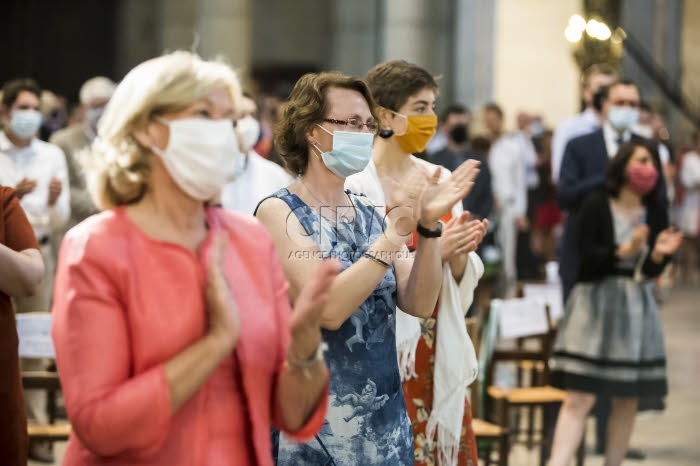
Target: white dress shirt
612, 137
690, 210
260, 179
583, 123
509, 180
39, 161
529, 156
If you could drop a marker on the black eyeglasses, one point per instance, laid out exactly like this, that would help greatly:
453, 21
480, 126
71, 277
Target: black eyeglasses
355, 124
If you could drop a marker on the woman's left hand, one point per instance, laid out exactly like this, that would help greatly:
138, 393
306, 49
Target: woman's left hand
667, 242
438, 198
461, 236
305, 325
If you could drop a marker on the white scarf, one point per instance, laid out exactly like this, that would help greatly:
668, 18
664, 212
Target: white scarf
452, 375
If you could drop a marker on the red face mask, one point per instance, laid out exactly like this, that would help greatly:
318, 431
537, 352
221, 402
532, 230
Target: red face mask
641, 179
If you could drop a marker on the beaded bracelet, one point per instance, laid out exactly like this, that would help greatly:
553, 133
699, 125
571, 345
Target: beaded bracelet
376, 259
305, 364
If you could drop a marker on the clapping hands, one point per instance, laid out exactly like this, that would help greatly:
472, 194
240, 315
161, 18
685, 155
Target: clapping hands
461, 235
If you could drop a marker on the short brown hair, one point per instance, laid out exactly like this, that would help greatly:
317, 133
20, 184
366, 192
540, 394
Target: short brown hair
12, 89
495, 108
598, 68
308, 106
393, 82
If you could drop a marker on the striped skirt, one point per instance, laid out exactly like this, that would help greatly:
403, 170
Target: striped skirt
610, 341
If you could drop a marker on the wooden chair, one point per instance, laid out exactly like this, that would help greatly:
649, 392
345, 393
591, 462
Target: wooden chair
494, 434
34, 330
551, 295
500, 401
486, 432
51, 432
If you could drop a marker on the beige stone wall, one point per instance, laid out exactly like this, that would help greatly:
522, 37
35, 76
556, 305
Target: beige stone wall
690, 59
534, 69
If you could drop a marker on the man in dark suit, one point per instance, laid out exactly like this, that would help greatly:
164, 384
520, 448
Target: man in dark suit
583, 171
585, 165
479, 201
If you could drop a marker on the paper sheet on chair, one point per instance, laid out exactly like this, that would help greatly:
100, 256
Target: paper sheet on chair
551, 294
34, 331
522, 317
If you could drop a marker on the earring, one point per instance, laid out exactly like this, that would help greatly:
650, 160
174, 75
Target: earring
385, 133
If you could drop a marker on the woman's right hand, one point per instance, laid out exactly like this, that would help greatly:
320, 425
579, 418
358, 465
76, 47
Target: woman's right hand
639, 237
438, 198
305, 325
422, 198
224, 319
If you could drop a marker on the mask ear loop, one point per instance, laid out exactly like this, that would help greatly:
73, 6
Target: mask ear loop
313, 144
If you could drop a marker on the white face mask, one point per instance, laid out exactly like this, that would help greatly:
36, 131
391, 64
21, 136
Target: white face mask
249, 130
201, 155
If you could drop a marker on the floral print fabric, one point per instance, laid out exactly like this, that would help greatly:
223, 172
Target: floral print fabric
367, 422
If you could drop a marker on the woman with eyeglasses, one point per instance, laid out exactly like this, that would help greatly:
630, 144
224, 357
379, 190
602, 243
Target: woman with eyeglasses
325, 135
436, 356
175, 341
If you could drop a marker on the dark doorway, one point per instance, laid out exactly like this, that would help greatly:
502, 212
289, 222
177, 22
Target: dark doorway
59, 43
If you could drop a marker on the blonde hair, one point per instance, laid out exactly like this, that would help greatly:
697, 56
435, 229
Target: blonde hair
117, 166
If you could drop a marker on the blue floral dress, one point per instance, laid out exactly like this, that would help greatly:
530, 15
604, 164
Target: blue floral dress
367, 421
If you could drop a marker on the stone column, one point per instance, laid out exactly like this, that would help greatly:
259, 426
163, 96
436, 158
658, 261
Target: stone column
421, 32
655, 25
356, 29
138, 26
690, 62
224, 30
473, 52
178, 30
407, 31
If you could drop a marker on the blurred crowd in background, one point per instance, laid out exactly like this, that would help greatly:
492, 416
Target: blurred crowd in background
518, 179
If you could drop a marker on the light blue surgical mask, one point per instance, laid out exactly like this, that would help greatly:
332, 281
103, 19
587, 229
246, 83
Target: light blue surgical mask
351, 152
25, 123
93, 115
623, 118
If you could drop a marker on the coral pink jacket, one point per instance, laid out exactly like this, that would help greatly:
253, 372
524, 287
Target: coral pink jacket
125, 303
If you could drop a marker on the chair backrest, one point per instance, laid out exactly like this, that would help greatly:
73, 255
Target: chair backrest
522, 317
488, 339
519, 319
34, 331
549, 294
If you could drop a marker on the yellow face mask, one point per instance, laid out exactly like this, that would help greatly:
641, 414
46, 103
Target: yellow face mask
419, 130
